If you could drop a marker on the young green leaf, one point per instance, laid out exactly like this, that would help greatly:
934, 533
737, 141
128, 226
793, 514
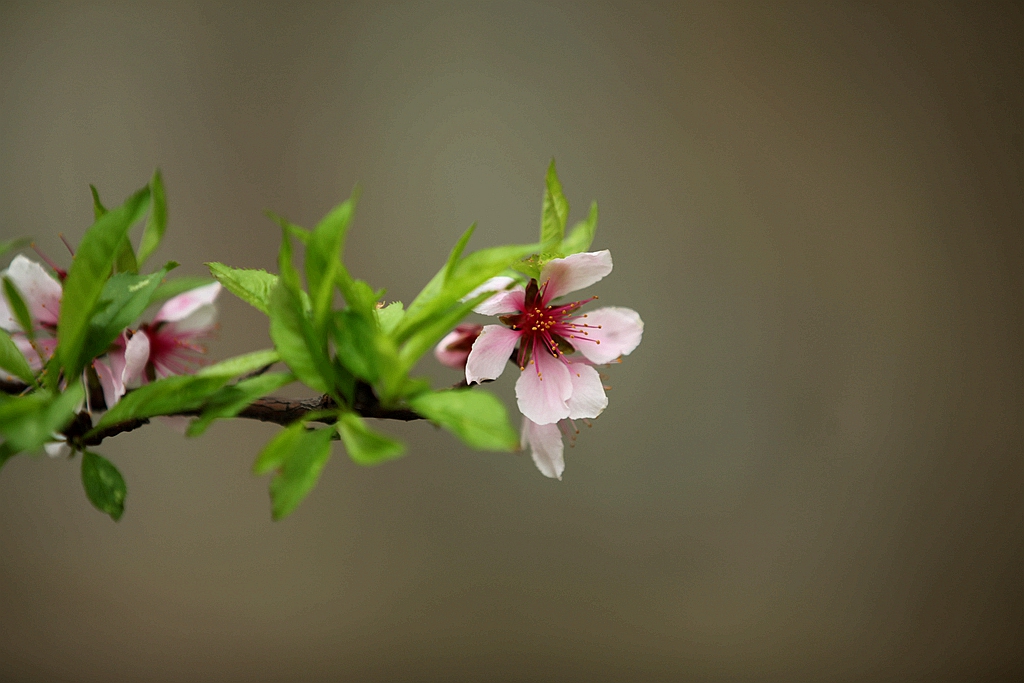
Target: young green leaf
475, 416
297, 231
123, 299
231, 400
125, 262
240, 365
89, 272
13, 361
582, 236
427, 335
470, 273
168, 396
364, 445
251, 286
299, 455
103, 484
356, 344
389, 316
156, 224
29, 421
554, 212
18, 307
323, 259
97, 206
293, 337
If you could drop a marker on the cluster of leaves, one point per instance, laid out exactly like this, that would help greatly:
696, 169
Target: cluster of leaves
103, 293
334, 333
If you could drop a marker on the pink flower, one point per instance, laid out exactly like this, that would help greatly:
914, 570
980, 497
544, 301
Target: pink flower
454, 349
174, 333
41, 293
554, 383
166, 346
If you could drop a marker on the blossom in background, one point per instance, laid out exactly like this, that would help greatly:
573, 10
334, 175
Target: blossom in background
41, 293
554, 384
454, 349
174, 334
167, 346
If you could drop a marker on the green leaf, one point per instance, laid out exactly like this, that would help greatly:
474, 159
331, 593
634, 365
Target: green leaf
426, 336
471, 272
293, 337
13, 361
297, 231
364, 445
168, 396
475, 416
97, 206
103, 484
582, 236
389, 316
299, 455
125, 261
231, 400
19, 308
89, 272
29, 421
240, 365
178, 285
123, 299
555, 210
251, 286
10, 245
156, 224
460, 246
323, 259
355, 343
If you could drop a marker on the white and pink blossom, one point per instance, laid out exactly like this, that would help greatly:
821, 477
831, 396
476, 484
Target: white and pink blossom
554, 384
174, 335
41, 293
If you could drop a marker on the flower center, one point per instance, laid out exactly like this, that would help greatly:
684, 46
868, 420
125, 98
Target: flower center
555, 328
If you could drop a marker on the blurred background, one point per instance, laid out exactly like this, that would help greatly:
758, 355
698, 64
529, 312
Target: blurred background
812, 469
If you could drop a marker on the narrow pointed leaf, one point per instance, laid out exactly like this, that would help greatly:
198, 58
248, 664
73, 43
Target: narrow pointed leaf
104, 485
97, 206
555, 210
19, 308
323, 259
13, 361
231, 400
156, 224
582, 236
293, 337
89, 272
364, 445
299, 455
123, 299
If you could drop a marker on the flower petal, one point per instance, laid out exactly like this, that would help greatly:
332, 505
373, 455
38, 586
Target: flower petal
615, 331
490, 353
505, 301
454, 349
56, 449
185, 304
136, 354
545, 442
195, 323
38, 288
588, 398
113, 389
573, 272
543, 389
